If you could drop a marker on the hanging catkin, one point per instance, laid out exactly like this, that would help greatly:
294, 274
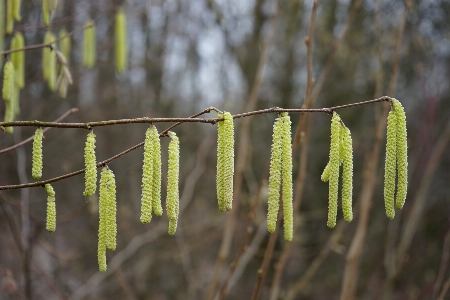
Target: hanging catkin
65, 44
36, 170
89, 45
275, 175
18, 60
334, 170
390, 164
8, 81
9, 16
225, 161
286, 174
402, 155
347, 173
108, 194
2, 31
121, 41
172, 205
49, 61
51, 209
16, 9
156, 178
90, 175
45, 12
147, 177
103, 220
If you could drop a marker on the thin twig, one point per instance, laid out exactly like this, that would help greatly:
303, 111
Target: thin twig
43, 45
70, 111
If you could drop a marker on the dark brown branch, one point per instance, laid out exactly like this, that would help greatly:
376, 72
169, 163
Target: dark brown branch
43, 45
70, 111
90, 125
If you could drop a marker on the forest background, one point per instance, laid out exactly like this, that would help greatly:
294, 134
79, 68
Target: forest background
184, 56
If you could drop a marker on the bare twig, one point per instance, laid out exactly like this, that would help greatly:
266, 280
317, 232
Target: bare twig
62, 117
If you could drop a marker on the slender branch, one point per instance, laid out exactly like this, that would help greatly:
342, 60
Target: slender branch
43, 45
90, 125
70, 111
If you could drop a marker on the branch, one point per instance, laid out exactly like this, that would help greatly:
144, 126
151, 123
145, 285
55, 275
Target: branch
70, 111
90, 125
43, 45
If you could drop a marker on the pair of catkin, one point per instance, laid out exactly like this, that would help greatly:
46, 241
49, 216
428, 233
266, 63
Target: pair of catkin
225, 161
173, 173
49, 61
280, 175
120, 41
107, 229
341, 153
151, 176
89, 45
50, 224
396, 163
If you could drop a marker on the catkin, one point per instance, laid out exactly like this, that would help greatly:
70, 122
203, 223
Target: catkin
275, 175
402, 155
334, 170
18, 60
65, 44
36, 170
120, 41
51, 209
16, 9
225, 162
90, 175
89, 52
156, 178
49, 61
172, 205
45, 12
390, 164
8, 81
103, 220
108, 194
9, 16
347, 173
286, 172
147, 178
2, 30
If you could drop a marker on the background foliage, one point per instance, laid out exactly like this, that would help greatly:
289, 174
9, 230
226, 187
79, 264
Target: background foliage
183, 57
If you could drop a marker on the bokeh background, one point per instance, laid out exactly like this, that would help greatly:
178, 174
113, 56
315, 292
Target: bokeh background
236, 55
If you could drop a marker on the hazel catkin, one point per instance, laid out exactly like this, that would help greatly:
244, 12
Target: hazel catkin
8, 81
65, 44
147, 178
50, 224
334, 170
390, 164
45, 12
347, 173
286, 171
172, 200
103, 219
89, 45
225, 161
156, 177
2, 30
18, 60
120, 41
109, 207
90, 174
9, 16
36, 170
402, 155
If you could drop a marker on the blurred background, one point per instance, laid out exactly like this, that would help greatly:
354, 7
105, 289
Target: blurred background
236, 55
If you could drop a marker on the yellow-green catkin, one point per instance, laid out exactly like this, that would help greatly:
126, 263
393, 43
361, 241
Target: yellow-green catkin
347, 173
286, 174
18, 60
2, 31
390, 164
147, 177
103, 220
45, 12
49, 61
36, 170
9, 16
120, 41
402, 155
156, 184
16, 9
89, 45
334, 170
225, 162
275, 175
108, 207
90, 174
172, 200
50, 224
65, 44
8, 81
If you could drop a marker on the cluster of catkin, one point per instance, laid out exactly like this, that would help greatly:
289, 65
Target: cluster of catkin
341, 153
280, 176
396, 163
